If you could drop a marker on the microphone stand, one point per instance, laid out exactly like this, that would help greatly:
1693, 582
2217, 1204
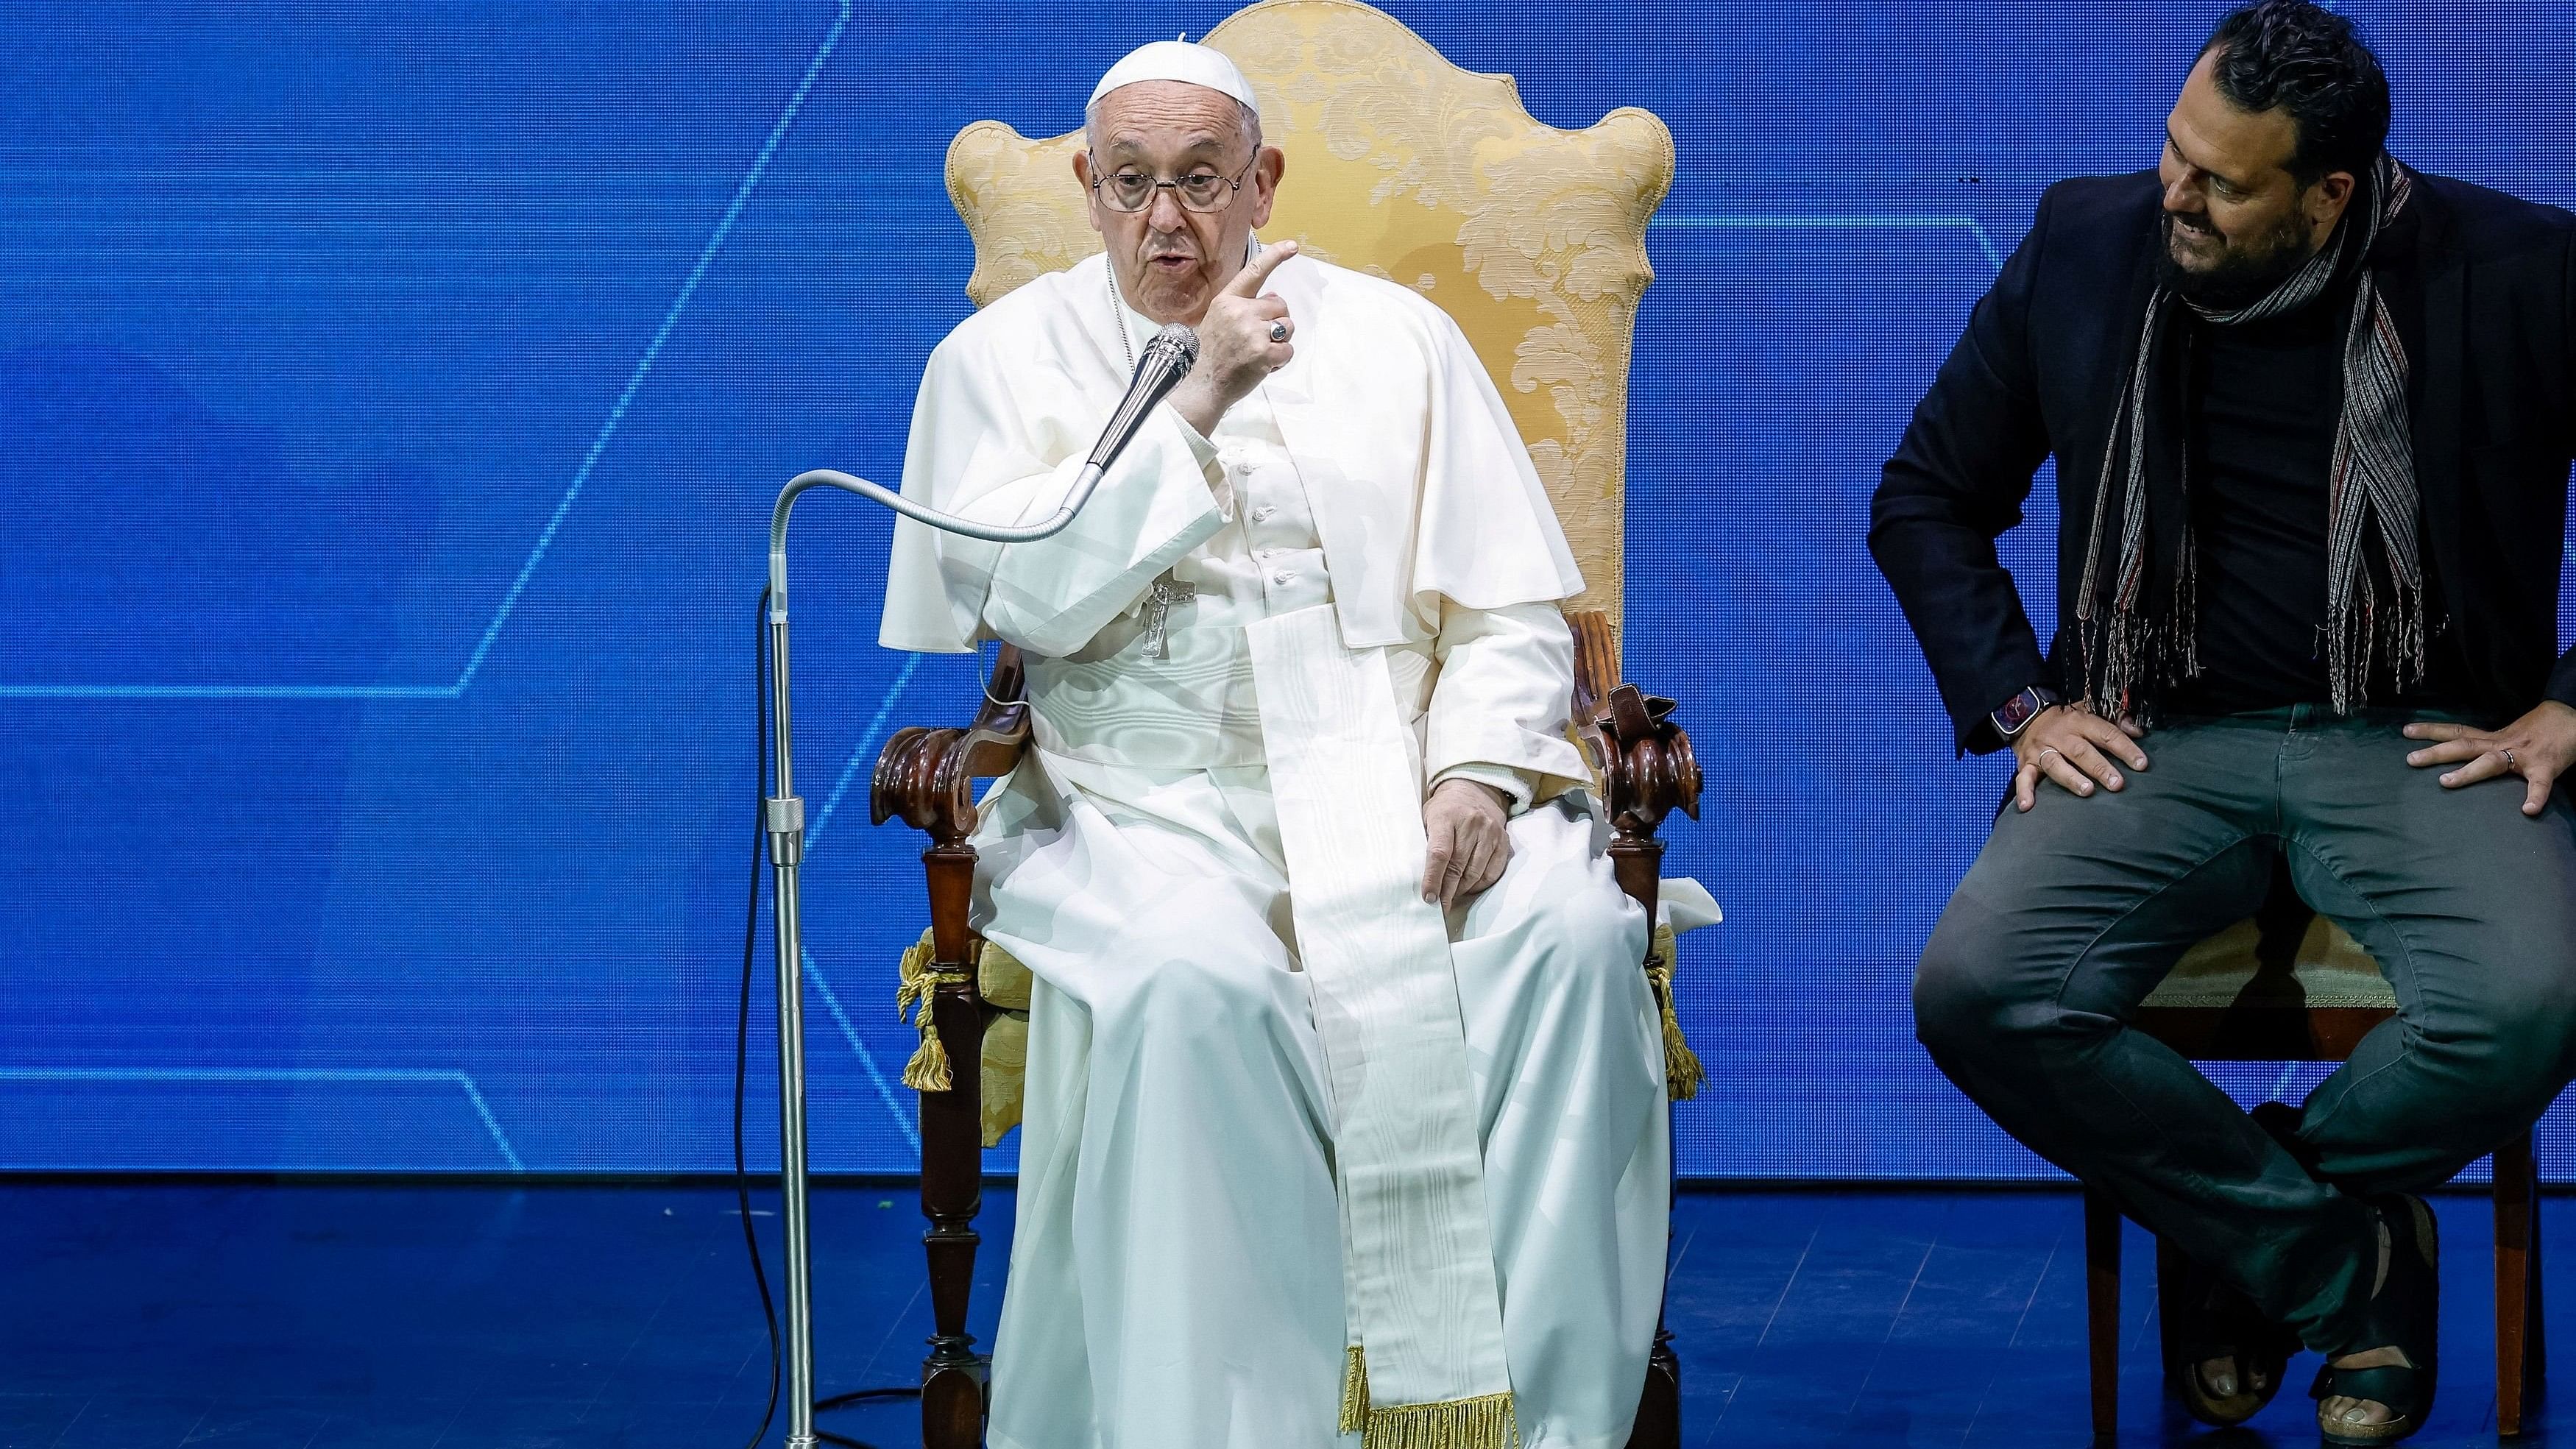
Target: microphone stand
783, 821
783, 816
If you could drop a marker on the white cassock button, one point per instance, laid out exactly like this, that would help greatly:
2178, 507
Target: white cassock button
1262, 514
1283, 577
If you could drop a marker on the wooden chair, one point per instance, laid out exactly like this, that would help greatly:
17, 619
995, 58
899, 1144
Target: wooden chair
2288, 985
1532, 238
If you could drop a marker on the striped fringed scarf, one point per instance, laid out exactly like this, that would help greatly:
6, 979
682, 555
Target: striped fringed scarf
2137, 631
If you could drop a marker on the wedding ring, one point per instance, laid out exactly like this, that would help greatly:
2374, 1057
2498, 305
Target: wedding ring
1279, 331
2508, 761
2045, 753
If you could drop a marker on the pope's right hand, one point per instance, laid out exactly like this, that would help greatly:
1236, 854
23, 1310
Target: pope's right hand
2075, 748
1235, 347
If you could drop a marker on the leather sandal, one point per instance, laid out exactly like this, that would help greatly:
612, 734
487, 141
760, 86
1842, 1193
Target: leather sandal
2207, 1319
2404, 1315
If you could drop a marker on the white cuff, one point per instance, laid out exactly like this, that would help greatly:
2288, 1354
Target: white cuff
1511, 782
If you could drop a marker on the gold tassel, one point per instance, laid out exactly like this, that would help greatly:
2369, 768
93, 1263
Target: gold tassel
1682, 1070
1487, 1422
928, 1069
1355, 1392
910, 973
917, 977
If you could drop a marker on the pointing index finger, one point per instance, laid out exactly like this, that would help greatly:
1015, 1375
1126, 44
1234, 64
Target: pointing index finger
1247, 282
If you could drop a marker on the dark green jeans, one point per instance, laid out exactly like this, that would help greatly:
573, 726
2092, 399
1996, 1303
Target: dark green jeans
2076, 910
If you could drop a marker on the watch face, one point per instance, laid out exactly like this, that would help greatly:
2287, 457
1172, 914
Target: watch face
2017, 711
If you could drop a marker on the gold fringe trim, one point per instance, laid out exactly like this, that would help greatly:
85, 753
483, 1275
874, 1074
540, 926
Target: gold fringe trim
917, 978
1682, 1070
1487, 1422
1480, 1423
1355, 1393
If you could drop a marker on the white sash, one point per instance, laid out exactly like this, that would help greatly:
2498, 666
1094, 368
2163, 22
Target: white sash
1426, 1365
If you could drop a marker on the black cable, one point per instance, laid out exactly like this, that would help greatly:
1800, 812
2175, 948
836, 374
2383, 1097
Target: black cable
742, 1062
863, 1396
742, 1013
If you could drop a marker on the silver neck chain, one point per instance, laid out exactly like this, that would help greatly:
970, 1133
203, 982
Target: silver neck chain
1118, 312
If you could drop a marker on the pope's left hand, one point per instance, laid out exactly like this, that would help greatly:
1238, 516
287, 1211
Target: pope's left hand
2540, 747
1469, 846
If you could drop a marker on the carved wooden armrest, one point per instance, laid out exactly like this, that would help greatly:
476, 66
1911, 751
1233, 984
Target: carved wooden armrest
1647, 769
926, 778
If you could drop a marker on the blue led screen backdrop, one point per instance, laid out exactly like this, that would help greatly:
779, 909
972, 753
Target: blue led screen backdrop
391, 399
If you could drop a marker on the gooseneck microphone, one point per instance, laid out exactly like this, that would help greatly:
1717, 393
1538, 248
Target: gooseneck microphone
1167, 359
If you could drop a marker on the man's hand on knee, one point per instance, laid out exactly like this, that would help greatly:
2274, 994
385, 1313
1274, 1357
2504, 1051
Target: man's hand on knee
1469, 846
2540, 747
2075, 748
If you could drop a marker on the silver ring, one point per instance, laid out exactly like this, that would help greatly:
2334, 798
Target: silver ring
2508, 761
2048, 751
1279, 331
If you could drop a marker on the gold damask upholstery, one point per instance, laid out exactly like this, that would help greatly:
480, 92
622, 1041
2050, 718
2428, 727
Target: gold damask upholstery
2315, 965
1404, 166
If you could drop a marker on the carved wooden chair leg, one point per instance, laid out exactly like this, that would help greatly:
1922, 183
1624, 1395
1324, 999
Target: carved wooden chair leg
926, 778
2102, 1309
1636, 861
2173, 1272
1659, 1409
2517, 1297
2535, 1339
954, 1377
1647, 772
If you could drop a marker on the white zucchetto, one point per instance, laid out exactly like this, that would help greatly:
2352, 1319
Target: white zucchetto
1177, 60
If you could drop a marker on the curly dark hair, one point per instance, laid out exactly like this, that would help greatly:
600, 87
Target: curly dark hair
2312, 63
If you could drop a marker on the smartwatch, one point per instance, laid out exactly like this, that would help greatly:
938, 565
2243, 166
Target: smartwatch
2018, 711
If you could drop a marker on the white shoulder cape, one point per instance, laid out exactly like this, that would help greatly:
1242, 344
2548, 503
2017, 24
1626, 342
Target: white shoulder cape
1419, 483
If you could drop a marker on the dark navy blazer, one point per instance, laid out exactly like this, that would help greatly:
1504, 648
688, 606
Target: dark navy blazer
2483, 289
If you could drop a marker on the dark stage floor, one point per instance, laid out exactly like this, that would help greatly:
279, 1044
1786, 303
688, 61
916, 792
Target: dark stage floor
471, 1317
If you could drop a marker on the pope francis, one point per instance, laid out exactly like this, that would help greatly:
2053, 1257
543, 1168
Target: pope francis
1346, 1117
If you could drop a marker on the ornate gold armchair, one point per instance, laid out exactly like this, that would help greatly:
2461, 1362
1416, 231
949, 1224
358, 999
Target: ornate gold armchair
1533, 239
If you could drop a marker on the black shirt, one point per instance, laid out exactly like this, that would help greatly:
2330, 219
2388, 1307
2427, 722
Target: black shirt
2264, 400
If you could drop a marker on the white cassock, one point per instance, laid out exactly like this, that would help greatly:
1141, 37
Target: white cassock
1178, 1278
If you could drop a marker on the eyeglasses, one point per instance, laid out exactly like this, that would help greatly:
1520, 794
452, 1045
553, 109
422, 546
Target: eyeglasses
1198, 191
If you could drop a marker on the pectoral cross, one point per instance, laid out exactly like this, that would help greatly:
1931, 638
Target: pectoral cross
1158, 615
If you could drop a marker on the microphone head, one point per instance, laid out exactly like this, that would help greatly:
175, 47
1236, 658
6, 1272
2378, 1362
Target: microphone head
1178, 338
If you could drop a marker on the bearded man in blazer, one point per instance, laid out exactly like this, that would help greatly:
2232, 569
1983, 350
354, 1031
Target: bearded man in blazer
2312, 412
